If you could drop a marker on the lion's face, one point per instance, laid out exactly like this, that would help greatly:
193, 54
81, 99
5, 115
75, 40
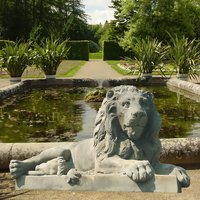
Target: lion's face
126, 117
132, 112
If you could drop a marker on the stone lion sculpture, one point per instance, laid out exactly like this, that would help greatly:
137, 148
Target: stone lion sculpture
125, 141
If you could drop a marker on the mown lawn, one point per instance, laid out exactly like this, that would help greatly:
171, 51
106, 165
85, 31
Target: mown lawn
97, 55
114, 65
67, 68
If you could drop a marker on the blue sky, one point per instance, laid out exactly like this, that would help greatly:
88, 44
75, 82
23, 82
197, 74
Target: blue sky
98, 11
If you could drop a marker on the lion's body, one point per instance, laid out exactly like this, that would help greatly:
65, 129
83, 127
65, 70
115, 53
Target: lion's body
111, 140
125, 140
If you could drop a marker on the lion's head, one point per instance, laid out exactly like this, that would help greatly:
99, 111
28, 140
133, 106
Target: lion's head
127, 124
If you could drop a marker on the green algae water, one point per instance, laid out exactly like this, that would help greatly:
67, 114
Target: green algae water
41, 116
180, 115
54, 115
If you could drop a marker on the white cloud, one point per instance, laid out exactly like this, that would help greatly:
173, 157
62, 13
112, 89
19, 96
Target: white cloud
100, 16
98, 11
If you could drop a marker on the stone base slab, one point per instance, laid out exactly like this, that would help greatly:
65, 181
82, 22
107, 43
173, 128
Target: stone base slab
99, 182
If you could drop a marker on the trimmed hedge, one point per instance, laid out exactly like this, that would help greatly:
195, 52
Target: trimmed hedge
112, 50
79, 50
4, 42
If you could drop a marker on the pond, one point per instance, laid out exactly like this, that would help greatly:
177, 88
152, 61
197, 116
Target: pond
53, 115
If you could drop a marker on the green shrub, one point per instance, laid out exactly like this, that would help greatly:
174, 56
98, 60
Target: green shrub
112, 50
93, 47
79, 50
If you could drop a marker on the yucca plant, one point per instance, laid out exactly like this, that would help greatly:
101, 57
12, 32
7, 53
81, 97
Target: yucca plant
149, 53
50, 54
15, 58
184, 54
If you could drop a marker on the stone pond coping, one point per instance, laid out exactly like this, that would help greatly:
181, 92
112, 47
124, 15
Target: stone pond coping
182, 151
40, 83
10, 90
188, 89
172, 83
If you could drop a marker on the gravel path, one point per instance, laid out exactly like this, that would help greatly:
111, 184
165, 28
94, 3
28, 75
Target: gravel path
4, 82
97, 69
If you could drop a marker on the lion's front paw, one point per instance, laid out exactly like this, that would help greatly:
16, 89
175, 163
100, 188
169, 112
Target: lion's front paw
182, 176
141, 171
18, 168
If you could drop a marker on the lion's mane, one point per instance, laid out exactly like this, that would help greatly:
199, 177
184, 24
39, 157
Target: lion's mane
108, 134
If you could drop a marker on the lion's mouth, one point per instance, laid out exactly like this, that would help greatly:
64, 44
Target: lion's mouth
133, 131
132, 126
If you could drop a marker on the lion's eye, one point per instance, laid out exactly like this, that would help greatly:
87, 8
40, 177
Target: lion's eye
126, 104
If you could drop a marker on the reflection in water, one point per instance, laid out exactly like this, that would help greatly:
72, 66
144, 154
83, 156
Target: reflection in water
178, 113
187, 94
88, 118
195, 130
41, 116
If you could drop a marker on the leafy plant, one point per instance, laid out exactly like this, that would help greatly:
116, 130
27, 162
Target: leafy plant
149, 53
4, 42
49, 55
15, 57
184, 55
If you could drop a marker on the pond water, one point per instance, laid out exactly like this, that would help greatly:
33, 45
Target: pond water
61, 114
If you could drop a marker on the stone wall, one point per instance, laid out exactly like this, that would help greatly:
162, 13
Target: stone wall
181, 151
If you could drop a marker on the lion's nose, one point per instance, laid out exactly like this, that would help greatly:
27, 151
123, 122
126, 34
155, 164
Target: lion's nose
138, 114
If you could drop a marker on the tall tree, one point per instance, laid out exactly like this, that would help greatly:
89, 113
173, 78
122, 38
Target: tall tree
121, 19
64, 18
107, 32
14, 19
157, 18
76, 27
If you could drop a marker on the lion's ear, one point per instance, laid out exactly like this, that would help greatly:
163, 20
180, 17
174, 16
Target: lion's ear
110, 94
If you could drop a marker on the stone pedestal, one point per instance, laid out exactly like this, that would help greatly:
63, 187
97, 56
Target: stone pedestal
99, 182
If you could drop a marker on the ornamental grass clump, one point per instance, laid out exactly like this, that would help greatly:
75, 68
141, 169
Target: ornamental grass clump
149, 53
184, 54
15, 58
50, 54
